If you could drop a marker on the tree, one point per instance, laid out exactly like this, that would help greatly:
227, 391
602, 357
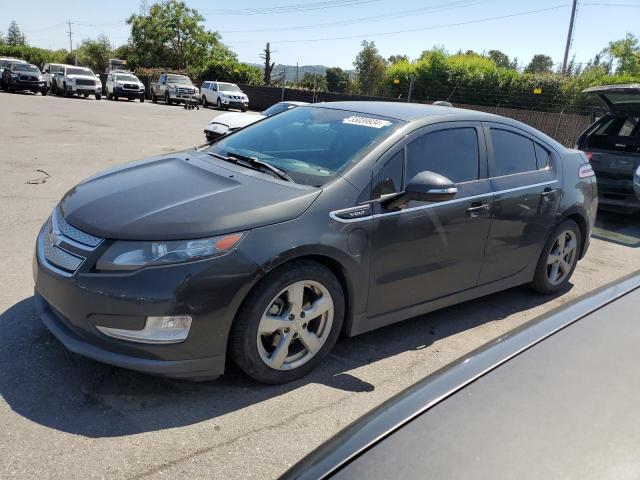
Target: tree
370, 67
15, 35
95, 54
337, 80
313, 81
393, 59
268, 64
626, 53
539, 64
502, 60
173, 35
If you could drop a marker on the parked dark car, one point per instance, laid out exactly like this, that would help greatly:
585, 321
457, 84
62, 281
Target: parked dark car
612, 144
337, 217
23, 76
554, 399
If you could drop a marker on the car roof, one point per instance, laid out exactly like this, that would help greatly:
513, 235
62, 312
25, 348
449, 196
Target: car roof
295, 102
555, 395
405, 111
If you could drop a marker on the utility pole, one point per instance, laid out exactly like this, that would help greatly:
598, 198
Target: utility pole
284, 81
569, 36
70, 34
410, 89
297, 71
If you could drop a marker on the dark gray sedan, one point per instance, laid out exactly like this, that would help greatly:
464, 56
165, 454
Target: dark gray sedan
557, 398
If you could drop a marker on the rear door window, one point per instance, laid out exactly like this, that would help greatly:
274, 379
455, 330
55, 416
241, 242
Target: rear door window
512, 153
543, 156
451, 152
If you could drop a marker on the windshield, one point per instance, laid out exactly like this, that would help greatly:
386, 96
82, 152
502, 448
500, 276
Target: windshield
126, 78
7, 63
312, 145
228, 87
25, 68
79, 71
277, 108
179, 79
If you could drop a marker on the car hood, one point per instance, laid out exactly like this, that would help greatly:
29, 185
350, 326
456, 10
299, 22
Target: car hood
83, 77
181, 85
181, 196
618, 97
235, 120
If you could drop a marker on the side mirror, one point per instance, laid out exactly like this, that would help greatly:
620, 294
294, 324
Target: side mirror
424, 187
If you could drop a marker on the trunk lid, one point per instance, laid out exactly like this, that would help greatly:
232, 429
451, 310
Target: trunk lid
623, 97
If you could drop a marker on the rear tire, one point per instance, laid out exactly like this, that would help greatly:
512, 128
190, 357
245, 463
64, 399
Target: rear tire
558, 259
288, 295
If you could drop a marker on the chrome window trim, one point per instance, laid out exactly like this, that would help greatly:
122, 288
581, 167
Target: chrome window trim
334, 214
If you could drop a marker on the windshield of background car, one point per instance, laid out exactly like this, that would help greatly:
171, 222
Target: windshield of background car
228, 87
312, 145
25, 68
277, 108
179, 79
79, 71
126, 78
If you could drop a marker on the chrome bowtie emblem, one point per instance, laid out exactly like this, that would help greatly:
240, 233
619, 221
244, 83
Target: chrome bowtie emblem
54, 237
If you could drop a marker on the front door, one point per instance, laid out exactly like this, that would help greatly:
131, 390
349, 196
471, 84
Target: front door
525, 175
429, 250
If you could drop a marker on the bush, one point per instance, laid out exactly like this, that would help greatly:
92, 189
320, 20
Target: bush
37, 56
229, 71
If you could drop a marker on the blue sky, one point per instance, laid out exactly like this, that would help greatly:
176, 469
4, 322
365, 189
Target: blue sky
308, 35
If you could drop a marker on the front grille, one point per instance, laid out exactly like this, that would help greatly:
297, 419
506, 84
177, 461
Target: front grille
130, 86
182, 90
28, 78
72, 232
84, 81
63, 247
60, 258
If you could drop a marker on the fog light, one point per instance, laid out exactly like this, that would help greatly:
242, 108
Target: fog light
173, 329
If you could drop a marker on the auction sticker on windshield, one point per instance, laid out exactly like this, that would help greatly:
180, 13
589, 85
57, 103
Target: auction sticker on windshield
366, 122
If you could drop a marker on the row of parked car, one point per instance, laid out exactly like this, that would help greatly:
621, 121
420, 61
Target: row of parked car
68, 80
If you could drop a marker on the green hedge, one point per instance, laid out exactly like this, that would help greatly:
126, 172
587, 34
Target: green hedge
475, 80
37, 56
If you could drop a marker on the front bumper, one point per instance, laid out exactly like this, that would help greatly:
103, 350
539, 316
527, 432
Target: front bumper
210, 291
128, 93
27, 85
85, 89
235, 103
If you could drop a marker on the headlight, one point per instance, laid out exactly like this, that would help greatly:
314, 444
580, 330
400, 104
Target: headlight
132, 255
41, 78
173, 87
636, 176
141, 87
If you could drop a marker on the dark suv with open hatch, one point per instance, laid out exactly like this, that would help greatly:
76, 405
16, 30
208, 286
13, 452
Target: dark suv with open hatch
266, 245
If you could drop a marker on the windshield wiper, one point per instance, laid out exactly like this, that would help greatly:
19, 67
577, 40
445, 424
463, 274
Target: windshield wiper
253, 163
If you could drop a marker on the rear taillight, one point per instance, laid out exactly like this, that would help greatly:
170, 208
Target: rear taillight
588, 155
586, 171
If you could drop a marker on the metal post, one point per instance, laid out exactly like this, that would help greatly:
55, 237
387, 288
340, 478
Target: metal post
410, 89
569, 36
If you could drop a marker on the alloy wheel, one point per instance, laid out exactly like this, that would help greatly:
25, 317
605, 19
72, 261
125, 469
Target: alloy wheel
562, 257
295, 325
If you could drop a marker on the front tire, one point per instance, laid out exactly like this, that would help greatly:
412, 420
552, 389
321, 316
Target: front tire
205, 103
44, 92
167, 99
98, 96
219, 104
558, 259
154, 99
288, 323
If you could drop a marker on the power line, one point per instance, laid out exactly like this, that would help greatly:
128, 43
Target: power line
420, 29
375, 18
300, 7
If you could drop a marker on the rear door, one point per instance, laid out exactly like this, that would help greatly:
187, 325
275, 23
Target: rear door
526, 179
430, 250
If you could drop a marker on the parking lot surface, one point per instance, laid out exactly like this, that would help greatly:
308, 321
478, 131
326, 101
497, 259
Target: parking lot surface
64, 416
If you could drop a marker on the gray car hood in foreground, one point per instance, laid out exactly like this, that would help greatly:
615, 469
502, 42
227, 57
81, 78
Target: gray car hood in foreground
180, 196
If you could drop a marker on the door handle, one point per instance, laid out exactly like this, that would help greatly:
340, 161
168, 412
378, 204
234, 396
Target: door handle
477, 209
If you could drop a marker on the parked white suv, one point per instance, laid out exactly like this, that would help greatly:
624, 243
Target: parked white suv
78, 81
123, 84
224, 95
